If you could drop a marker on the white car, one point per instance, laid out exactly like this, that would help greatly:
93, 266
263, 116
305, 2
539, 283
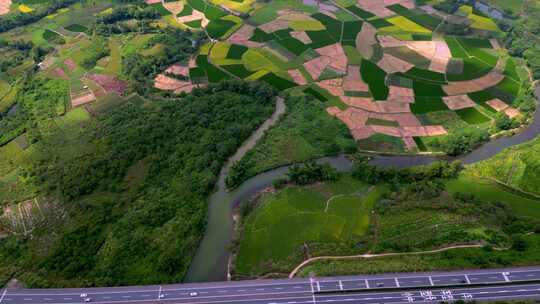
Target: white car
84, 295
87, 299
193, 294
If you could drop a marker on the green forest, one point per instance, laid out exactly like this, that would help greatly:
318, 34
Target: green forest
128, 190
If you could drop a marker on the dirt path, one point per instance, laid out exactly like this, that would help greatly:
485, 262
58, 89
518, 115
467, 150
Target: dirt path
369, 256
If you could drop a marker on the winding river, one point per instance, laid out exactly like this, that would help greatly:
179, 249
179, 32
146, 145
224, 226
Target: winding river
211, 260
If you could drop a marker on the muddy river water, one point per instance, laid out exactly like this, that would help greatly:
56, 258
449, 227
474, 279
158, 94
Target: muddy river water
211, 260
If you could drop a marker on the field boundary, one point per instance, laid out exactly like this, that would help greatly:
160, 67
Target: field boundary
293, 273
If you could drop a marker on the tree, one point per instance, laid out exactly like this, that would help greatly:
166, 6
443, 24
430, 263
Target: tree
503, 122
519, 243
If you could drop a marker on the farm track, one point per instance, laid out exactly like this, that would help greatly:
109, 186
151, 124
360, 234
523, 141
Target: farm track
371, 256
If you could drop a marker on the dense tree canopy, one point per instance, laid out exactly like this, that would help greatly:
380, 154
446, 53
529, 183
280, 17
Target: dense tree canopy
133, 187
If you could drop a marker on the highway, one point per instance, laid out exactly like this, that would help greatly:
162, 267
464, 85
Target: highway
433, 287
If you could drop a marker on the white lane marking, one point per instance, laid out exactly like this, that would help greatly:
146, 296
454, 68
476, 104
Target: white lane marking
159, 292
505, 276
320, 300
340, 285
318, 286
242, 290
312, 290
430, 281
397, 282
3, 295
178, 288
467, 279
367, 283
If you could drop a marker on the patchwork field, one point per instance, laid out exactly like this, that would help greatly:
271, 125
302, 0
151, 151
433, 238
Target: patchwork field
385, 61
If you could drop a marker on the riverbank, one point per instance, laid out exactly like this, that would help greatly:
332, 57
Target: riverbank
211, 259
213, 264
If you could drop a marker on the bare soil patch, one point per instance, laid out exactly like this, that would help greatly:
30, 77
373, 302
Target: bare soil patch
458, 102
400, 94
353, 81
59, 72
70, 64
333, 111
195, 15
378, 7
334, 86
316, 66
109, 83
302, 36
391, 64
337, 57
393, 107
366, 39
4, 6
242, 35
364, 103
497, 104
82, 99
475, 85
512, 112
275, 25
174, 7
297, 77
424, 131
177, 69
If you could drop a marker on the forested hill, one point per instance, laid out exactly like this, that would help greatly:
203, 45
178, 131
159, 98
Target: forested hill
130, 188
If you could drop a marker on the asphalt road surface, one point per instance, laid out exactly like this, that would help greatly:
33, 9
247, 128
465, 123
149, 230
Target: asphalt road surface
433, 287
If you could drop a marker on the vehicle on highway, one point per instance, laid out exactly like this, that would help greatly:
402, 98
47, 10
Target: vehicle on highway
193, 294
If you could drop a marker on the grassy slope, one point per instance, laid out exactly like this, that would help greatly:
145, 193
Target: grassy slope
304, 210
518, 167
305, 132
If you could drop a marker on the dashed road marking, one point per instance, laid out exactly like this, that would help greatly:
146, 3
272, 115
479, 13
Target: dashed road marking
397, 282
467, 279
3, 295
430, 281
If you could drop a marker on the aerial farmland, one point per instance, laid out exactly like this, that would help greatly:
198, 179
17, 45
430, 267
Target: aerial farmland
156, 141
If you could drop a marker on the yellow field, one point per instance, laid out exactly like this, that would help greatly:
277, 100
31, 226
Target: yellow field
478, 22
25, 9
407, 25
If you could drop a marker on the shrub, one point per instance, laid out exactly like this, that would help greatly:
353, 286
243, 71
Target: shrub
311, 172
462, 141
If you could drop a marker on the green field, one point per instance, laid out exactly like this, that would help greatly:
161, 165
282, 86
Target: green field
518, 167
330, 213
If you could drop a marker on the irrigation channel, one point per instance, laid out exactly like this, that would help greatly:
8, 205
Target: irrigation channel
211, 260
